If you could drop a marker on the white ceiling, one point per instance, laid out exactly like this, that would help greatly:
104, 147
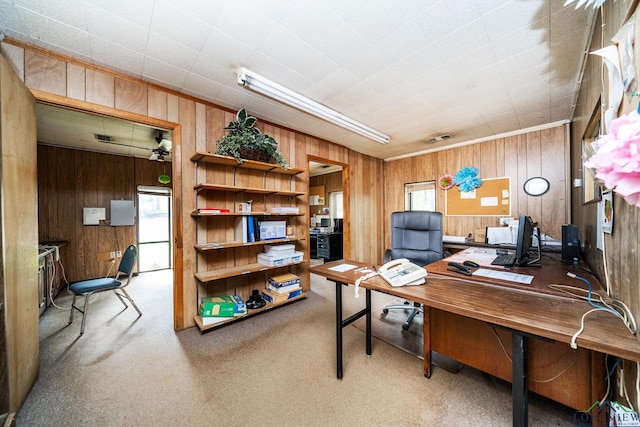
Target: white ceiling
413, 69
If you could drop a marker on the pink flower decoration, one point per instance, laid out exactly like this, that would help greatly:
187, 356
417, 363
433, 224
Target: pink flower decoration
446, 181
617, 161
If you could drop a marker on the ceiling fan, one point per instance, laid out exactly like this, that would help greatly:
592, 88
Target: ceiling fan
164, 148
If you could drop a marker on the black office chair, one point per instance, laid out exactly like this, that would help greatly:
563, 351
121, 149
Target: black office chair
87, 288
417, 236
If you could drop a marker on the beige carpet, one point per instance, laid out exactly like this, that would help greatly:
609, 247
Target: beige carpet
276, 369
388, 328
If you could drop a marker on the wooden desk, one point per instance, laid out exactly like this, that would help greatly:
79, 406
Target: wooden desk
524, 313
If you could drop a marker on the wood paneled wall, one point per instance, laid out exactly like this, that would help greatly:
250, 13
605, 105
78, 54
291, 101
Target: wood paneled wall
540, 153
621, 247
70, 180
197, 126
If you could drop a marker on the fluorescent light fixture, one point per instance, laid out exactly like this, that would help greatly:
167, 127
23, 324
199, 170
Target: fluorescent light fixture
259, 84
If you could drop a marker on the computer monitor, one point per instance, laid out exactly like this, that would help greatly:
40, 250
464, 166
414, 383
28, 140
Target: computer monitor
523, 244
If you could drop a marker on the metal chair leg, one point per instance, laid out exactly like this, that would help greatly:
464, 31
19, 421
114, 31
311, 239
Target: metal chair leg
84, 313
126, 294
115, 291
73, 303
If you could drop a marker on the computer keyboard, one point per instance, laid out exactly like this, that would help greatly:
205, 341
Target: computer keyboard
506, 260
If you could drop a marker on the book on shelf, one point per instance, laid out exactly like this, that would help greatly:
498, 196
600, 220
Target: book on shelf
213, 210
222, 306
247, 229
241, 233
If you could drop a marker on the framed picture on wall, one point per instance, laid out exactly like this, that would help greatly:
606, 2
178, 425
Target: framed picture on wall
591, 187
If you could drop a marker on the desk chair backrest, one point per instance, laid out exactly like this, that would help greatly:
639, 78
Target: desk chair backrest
417, 236
127, 262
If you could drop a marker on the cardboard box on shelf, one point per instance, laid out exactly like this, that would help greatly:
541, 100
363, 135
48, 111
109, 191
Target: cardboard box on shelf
285, 279
279, 260
274, 297
284, 250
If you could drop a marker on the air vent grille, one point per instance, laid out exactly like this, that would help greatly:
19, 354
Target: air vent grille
439, 138
102, 138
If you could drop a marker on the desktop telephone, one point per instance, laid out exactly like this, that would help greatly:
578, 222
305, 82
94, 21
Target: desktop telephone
401, 272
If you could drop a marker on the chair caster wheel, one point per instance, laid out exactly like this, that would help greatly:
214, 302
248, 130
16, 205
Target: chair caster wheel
405, 327
385, 310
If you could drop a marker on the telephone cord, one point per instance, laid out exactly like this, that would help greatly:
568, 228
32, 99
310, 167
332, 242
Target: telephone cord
362, 279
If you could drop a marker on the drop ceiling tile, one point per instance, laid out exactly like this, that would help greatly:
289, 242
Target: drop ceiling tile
101, 24
463, 41
72, 14
282, 46
164, 73
175, 24
169, 51
515, 16
416, 8
477, 59
445, 18
138, 12
338, 80
221, 47
342, 44
518, 42
378, 19
311, 21
394, 47
253, 29
114, 57
54, 33
365, 64
206, 11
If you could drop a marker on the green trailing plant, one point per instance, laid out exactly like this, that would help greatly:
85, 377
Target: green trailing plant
244, 141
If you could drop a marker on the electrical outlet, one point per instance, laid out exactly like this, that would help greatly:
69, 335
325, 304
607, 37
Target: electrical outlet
118, 254
112, 254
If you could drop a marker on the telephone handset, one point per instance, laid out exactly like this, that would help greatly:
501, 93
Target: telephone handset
401, 272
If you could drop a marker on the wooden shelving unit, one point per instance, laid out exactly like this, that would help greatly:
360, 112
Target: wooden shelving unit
246, 274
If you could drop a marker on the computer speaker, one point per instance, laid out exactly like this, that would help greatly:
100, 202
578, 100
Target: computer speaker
570, 243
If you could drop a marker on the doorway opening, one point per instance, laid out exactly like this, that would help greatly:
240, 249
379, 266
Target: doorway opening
154, 228
327, 213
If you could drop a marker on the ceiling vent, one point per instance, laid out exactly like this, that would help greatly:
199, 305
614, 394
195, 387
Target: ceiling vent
102, 138
439, 138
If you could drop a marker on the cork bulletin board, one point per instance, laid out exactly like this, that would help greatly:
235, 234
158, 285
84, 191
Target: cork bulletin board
492, 198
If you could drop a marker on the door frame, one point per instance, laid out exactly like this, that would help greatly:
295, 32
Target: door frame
346, 205
176, 179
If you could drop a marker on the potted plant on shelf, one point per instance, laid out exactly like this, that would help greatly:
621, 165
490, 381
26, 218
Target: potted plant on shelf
245, 142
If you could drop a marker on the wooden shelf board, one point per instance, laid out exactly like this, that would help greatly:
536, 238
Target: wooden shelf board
253, 190
198, 214
246, 164
226, 273
250, 313
227, 245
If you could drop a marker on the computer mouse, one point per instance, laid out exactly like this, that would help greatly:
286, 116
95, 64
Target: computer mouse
471, 264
